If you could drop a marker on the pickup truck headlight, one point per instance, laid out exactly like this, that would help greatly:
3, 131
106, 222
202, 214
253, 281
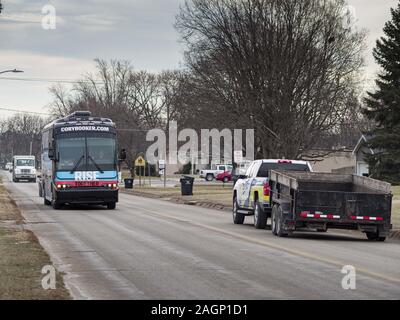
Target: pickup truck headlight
17, 171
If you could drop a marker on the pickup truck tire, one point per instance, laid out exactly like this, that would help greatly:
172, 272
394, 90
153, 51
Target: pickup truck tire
280, 232
273, 220
238, 218
260, 217
209, 177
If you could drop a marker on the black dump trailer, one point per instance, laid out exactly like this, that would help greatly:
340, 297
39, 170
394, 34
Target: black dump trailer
323, 200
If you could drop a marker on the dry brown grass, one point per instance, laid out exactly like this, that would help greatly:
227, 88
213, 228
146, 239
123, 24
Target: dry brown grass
214, 194
22, 258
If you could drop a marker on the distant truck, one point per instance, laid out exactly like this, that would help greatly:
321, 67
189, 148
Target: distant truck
211, 174
23, 168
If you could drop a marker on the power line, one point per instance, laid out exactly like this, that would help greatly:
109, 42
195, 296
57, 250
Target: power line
24, 111
64, 81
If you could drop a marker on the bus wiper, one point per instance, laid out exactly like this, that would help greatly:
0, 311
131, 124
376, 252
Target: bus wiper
77, 164
97, 166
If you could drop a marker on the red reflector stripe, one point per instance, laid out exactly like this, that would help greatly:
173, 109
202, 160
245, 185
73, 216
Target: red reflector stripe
366, 218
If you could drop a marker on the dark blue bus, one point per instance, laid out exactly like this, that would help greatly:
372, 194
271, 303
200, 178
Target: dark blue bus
79, 161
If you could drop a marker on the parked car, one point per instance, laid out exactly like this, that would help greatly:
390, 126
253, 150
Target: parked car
224, 176
8, 166
211, 174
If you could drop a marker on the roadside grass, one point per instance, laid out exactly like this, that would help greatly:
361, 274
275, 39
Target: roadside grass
396, 193
396, 215
216, 194
396, 207
22, 258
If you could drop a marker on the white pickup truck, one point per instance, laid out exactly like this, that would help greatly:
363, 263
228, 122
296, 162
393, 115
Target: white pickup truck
211, 174
251, 194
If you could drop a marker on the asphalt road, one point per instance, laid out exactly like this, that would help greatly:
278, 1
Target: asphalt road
153, 249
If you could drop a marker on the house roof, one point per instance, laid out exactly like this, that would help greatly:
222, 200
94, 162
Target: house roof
361, 143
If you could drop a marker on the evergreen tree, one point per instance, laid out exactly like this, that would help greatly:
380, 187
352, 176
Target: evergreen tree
383, 105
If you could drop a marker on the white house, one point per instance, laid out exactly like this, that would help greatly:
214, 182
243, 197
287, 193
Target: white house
361, 149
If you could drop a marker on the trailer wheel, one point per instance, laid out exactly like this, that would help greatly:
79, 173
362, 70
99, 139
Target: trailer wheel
260, 217
280, 232
238, 218
111, 205
374, 236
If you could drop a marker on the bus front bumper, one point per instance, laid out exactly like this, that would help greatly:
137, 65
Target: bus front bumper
86, 196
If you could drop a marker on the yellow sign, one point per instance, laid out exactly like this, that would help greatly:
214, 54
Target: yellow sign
140, 162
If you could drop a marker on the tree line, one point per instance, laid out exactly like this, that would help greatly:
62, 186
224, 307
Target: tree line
290, 69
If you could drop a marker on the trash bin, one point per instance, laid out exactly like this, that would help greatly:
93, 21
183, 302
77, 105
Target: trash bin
128, 183
187, 186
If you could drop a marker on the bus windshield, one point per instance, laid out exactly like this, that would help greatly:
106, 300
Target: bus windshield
86, 153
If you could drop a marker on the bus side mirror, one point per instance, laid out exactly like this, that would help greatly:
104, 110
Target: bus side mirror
52, 154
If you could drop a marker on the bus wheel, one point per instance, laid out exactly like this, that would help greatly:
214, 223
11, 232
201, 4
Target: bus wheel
111, 205
56, 205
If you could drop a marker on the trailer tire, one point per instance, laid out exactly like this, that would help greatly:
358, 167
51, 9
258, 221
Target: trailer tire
111, 205
260, 217
280, 232
374, 236
238, 218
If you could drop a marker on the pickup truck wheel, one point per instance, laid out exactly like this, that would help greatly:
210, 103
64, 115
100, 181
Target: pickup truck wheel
273, 220
238, 218
280, 232
260, 217
210, 177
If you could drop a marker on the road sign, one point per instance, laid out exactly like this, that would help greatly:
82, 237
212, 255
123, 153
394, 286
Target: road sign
238, 156
140, 162
161, 164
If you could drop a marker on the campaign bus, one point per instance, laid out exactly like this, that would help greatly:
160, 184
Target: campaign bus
79, 161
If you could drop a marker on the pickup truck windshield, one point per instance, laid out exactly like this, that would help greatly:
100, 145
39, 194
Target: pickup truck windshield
266, 167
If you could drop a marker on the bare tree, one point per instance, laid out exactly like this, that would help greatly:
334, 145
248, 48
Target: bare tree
283, 67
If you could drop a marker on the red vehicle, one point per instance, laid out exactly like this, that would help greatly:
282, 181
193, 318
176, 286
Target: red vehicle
224, 176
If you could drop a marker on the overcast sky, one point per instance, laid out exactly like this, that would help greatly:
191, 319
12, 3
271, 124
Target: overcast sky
140, 31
